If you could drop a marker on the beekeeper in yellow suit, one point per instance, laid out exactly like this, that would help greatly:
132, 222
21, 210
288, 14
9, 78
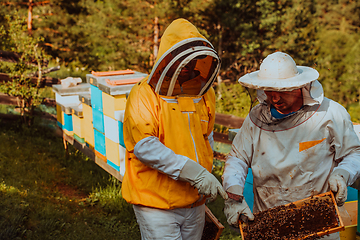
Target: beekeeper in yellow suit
297, 142
168, 126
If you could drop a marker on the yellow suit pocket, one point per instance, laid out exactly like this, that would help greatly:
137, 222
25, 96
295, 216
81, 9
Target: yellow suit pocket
306, 145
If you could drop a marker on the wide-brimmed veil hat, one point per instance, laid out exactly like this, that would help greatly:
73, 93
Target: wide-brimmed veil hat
279, 72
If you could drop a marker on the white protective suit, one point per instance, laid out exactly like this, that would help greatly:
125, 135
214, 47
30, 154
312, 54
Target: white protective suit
292, 158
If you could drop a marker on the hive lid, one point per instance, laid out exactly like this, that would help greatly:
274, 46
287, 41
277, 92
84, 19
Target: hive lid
115, 84
77, 110
82, 88
85, 98
334, 224
112, 73
67, 108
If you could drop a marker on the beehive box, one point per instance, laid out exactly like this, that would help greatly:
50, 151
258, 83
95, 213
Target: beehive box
87, 120
91, 115
66, 99
109, 91
309, 218
78, 125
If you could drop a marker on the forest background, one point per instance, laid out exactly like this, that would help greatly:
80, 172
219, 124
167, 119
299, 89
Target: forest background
85, 35
45, 195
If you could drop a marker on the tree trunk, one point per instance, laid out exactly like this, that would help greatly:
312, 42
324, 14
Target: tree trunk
219, 80
156, 38
29, 22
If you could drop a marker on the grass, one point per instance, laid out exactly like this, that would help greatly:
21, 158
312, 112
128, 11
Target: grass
44, 195
47, 196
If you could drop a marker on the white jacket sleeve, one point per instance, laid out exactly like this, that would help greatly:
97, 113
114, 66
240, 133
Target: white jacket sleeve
238, 160
236, 172
345, 142
351, 164
151, 152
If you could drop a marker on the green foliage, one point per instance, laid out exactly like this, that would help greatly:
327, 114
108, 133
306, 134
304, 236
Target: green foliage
102, 35
31, 59
64, 198
111, 200
290, 28
74, 69
217, 207
45, 195
87, 35
234, 99
337, 43
354, 111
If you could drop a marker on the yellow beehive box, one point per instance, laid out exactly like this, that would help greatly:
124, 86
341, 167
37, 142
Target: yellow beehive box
89, 133
112, 153
87, 112
77, 120
88, 128
78, 126
59, 115
113, 103
67, 132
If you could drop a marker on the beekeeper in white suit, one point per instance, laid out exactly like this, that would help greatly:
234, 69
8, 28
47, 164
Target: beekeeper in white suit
297, 142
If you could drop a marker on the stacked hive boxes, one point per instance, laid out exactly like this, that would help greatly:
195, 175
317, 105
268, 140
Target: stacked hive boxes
91, 115
68, 107
108, 99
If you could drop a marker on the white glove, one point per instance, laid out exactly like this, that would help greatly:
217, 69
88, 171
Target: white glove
338, 184
202, 179
234, 208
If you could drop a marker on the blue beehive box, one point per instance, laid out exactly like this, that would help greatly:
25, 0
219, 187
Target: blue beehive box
68, 124
98, 120
96, 98
99, 142
121, 134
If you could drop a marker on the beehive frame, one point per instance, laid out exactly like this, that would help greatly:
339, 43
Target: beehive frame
328, 195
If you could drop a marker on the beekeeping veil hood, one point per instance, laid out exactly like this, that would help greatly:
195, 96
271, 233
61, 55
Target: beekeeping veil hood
187, 63
279, 72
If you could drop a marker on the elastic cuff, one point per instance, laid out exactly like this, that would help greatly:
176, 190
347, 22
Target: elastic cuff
235, 197
235, 189
191, 171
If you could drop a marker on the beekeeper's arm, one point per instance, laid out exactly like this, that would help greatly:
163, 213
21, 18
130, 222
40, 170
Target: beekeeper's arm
236, 205
347, 147
141, 126
234, 176
154, 154
344, 175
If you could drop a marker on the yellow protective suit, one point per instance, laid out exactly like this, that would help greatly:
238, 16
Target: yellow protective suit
168, 122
